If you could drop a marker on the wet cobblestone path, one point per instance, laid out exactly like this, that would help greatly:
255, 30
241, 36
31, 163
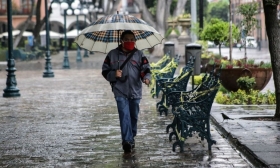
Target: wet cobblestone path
71, 121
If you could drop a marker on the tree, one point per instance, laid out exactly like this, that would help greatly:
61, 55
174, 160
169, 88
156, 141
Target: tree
273, 34
114, 8
179, 8
40, 22
158, 21
249, 22
205, 6
218, 10
217, 31
28, 21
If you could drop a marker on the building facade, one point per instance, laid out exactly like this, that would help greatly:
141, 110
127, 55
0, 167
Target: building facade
97, 8
260, 31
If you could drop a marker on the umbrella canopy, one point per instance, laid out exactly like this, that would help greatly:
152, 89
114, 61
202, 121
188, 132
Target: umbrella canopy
53, 34
16, 32
103, 35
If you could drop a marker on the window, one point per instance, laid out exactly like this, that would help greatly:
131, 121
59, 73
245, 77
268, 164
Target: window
26, 6
3, 6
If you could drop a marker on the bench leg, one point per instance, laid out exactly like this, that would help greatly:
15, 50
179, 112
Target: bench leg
180, 144
209, 139
171, 134
162, 109
158, 88
172, 125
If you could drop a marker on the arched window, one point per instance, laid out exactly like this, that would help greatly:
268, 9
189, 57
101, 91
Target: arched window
26, 6
3, 7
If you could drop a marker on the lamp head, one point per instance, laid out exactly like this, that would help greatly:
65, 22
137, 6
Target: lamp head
77, 11
69, 12
85, 11
64, 5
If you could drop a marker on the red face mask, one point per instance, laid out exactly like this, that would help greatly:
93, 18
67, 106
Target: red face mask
129, 45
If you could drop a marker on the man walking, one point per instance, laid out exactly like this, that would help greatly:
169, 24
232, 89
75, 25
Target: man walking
126, 68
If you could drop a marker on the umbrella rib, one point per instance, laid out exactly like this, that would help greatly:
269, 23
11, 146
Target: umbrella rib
107, 42
96, 39
158, 41
93, 44
81, 40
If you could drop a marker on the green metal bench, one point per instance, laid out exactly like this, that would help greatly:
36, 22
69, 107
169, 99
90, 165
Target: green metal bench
167, 72
160, 82
192, 112
194, 117
178, 84
161, 63
208, 81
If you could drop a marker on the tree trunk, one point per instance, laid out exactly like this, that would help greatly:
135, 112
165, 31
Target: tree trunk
159, 23
161, 18
146, 15
39, 23
114, 8
162, 15
167, 14
180, 7
28, 21
273, 34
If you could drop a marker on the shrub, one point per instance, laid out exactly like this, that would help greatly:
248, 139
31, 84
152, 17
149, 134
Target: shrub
246, 83
265, 65
169, 30
3, 55
241, 97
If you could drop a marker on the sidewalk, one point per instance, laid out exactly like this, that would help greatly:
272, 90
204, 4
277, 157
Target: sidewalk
259, 141
71, 121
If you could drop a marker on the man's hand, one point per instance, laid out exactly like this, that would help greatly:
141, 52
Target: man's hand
146, 81
118, 73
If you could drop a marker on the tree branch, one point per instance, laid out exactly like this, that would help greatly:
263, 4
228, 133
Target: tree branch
146, 15
28, 21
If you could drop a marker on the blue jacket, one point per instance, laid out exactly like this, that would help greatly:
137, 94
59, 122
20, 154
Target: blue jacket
134, 72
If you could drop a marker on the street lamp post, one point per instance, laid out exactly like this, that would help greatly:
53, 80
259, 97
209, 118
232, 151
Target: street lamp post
77, 7
77, 12
48, 68
85, 12
65, 6
91, 8
11, 89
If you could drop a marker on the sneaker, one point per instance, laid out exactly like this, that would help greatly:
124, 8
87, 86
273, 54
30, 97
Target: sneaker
127, 147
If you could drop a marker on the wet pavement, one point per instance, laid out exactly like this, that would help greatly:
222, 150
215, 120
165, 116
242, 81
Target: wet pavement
258, 140
71, 120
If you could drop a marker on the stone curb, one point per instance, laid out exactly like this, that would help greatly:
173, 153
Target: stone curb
255, 160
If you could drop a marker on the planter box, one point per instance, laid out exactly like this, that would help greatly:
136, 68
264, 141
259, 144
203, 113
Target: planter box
229, 76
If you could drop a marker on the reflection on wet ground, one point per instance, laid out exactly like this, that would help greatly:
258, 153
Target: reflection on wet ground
71, 121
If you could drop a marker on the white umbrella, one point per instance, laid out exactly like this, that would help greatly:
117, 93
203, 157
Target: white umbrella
16, 32
103, 35
52, 34
73, 33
